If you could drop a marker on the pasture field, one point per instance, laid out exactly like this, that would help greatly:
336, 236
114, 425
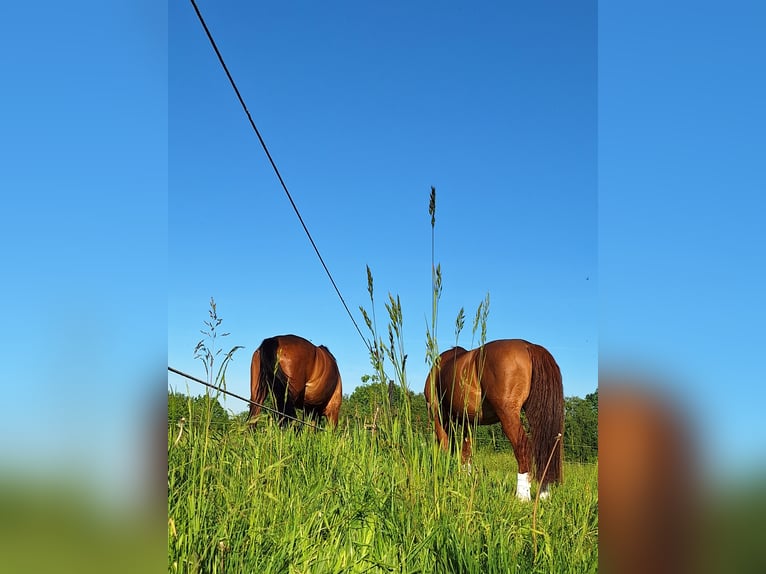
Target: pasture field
277, 500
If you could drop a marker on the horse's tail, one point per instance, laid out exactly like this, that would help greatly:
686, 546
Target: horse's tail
264, 369
257, 390
545, 412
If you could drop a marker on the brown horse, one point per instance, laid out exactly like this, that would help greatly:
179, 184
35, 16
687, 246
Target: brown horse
494, 383
299, 375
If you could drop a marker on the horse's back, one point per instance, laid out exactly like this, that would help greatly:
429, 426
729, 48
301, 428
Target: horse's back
509, 356
289, 343
499, 357
507, 374
494, 376
508, 347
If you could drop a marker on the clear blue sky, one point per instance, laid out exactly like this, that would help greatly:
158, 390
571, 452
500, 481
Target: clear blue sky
83, 241
682, 238
363, 108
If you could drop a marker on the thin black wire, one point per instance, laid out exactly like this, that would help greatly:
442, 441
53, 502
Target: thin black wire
201, 382
274, 166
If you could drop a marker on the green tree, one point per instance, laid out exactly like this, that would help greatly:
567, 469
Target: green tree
420, 422
194, 410
360, 407
581, 428
366, 399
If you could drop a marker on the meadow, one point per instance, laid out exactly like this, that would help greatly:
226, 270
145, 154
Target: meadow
349, 500
290, 500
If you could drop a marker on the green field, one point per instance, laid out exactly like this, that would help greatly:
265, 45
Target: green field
278, 500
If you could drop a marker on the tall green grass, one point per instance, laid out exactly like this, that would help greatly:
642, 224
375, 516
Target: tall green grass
278, 500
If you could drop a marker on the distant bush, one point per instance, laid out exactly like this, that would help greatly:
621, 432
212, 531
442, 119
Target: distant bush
195, 410
581, 428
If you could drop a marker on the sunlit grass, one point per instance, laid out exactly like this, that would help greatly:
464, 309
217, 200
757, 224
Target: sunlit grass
280, 501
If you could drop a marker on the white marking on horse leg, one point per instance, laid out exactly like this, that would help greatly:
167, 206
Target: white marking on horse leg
523, 486
545, 492
467, 467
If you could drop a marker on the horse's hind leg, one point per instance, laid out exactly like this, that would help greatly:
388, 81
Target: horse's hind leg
332, 409
514, 430
441, 435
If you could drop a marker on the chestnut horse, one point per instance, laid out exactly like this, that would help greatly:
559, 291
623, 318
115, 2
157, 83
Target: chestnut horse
494, 383
299, 375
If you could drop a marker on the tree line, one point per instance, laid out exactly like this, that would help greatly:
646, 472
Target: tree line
580, 419
365, 405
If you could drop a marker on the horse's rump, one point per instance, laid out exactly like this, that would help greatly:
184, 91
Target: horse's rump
298, 374
494, 383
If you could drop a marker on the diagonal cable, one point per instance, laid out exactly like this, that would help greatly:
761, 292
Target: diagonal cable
276, 170
241, 398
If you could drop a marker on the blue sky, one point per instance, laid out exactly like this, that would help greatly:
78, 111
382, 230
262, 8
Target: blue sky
363, 109
83, 240
682, 243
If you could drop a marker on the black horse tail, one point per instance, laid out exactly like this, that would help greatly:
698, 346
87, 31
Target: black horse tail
270, 370
265, 374
545, 412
